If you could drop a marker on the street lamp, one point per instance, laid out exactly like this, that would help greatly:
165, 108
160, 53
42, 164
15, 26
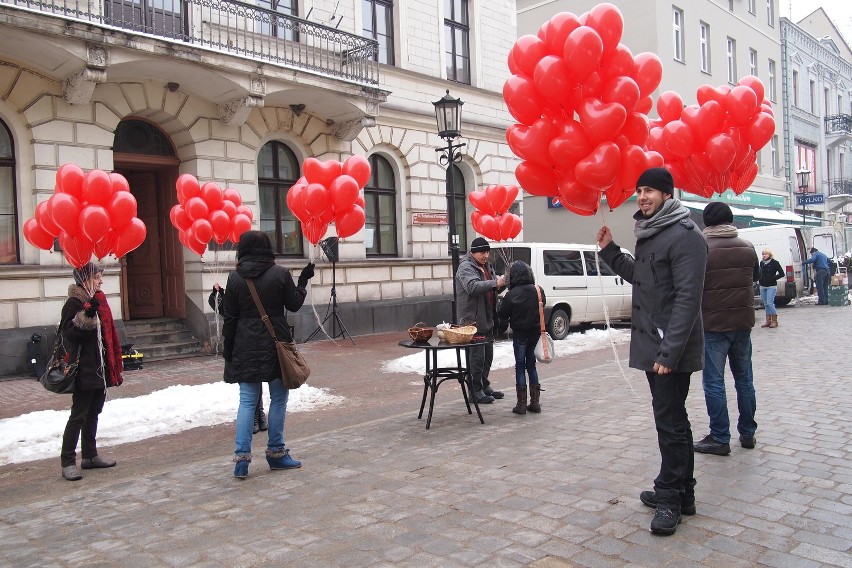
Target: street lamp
803, 178
448, 116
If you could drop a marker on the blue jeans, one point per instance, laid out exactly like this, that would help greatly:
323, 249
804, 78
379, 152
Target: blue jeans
767, 294
821, 278
734, 346
525, 360
249, 395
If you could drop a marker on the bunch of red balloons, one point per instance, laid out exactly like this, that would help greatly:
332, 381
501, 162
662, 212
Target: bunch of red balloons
711, 147
330, 192
490, 217
581, 100
208, 212
90, 213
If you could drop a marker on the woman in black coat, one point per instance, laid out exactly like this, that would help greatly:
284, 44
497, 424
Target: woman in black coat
84, 315
249, 352
520, 307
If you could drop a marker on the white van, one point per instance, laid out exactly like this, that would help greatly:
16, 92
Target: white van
788, 247
567, 274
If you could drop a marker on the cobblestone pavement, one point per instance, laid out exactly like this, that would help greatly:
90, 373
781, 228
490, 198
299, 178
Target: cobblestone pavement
551, 490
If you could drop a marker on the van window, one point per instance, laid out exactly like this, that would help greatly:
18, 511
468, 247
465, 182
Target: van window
794, 249
500, 257
591, 270
562, 263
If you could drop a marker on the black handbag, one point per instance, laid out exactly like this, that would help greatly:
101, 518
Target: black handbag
62, 369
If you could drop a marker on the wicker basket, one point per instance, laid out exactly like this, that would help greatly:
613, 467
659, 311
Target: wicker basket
420, 332
459, 335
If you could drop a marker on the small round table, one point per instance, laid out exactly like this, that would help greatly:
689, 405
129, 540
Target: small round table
436, 375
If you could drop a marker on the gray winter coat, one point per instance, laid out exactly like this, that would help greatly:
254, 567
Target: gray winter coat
668, 281
475, 304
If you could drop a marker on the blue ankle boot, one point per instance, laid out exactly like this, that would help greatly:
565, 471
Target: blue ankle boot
280, 459
241, 466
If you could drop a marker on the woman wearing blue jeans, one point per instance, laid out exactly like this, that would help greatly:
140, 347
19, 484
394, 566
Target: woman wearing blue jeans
520, 307
249, 351
770, 272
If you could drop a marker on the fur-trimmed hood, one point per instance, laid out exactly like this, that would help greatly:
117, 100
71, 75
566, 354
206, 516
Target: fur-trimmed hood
78, 292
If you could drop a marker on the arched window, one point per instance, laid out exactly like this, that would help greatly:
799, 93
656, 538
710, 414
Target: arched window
277, 170
380, 201
8, 201
460, 206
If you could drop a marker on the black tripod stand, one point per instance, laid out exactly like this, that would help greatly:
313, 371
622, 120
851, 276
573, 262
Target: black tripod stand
338, 328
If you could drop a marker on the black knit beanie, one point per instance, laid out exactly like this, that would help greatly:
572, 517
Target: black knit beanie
479, 245
658, 178
717, 213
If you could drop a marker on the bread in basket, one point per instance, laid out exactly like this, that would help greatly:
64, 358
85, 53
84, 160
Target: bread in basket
459, 335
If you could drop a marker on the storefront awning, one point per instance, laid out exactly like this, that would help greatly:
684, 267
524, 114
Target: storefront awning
775, 215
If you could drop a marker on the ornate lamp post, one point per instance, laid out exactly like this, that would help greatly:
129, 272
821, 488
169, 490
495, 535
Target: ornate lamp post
448, 116
803, 179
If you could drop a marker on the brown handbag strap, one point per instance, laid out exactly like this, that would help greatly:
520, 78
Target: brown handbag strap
540, 308
260, 309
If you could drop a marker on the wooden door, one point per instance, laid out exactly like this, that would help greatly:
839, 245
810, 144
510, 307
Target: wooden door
171, 251
144, 277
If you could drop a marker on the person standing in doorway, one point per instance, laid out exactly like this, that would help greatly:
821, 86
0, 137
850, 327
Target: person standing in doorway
666, 339
727, 310
821, 273
770, 272
478, 286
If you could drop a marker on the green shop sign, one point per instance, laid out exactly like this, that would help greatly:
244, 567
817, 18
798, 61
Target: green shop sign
748, 198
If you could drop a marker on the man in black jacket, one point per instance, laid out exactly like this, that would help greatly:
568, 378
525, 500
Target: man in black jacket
727, 309
666, 339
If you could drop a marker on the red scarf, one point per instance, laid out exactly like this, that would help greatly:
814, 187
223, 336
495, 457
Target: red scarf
112, 343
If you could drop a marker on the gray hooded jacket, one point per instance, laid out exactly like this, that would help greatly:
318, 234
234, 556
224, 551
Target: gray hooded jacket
475, 304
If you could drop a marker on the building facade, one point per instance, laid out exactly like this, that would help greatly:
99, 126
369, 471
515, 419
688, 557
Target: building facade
818, 112
700, 42
241, 94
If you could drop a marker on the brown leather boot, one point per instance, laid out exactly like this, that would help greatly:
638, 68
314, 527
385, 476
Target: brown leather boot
535, 392
768, 321
521, 407
774, 321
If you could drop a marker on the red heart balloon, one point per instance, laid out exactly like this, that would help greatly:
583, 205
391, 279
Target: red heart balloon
678, 139
636, 129
240, 224
358, 168
531, 142
536, 179
511, 195
122, 208
720, 151
522, 99
708, 93
97, 187
583, 52
496, 195
754, 84
480, 201
321, 172
203, 230
119, 183
45, 221
760, 131
705, 121
130, 238
179, 218
316, 199
601, 121
510, 226
527, 52
314, 230
578, 198
599, 169
570, 145
76, 248
621, 90
648, 72
64, 209
553, 80
489, 228
196, 208
220, 223
741, 103
344, 191
669, 106
557, 30
106, 245
740, 183
187, 186
212, 195
634, 161
606, 19
37, 236
94, 222
69, 179
232, 195
617, 63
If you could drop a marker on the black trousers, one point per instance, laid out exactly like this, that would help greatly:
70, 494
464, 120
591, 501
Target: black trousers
676, 481
481, 357
82, 424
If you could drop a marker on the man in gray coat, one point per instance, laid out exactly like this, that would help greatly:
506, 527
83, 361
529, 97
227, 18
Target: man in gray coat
667, 340
478, 287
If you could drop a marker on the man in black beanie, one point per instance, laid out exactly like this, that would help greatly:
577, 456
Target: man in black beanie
727, 309
666, 339
478, 286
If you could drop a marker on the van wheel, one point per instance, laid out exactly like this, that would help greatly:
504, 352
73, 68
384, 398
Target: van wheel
558, 326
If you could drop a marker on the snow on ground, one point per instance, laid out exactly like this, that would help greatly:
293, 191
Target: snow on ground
38, 435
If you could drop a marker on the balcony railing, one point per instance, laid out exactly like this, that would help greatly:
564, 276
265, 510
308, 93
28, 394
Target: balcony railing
838, 124
840, 187
231, 27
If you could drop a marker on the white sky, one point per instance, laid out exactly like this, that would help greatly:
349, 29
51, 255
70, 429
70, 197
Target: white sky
839, 11
38, 435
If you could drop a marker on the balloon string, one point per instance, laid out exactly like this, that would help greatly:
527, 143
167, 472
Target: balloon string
606, 316
314, 257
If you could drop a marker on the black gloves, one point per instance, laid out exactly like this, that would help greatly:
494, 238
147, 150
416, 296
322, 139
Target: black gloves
92, 310
307, 274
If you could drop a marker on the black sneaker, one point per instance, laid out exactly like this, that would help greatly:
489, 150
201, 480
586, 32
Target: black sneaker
649, 499
710, 446
665, 522
747, 442
493, 393
486, 399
